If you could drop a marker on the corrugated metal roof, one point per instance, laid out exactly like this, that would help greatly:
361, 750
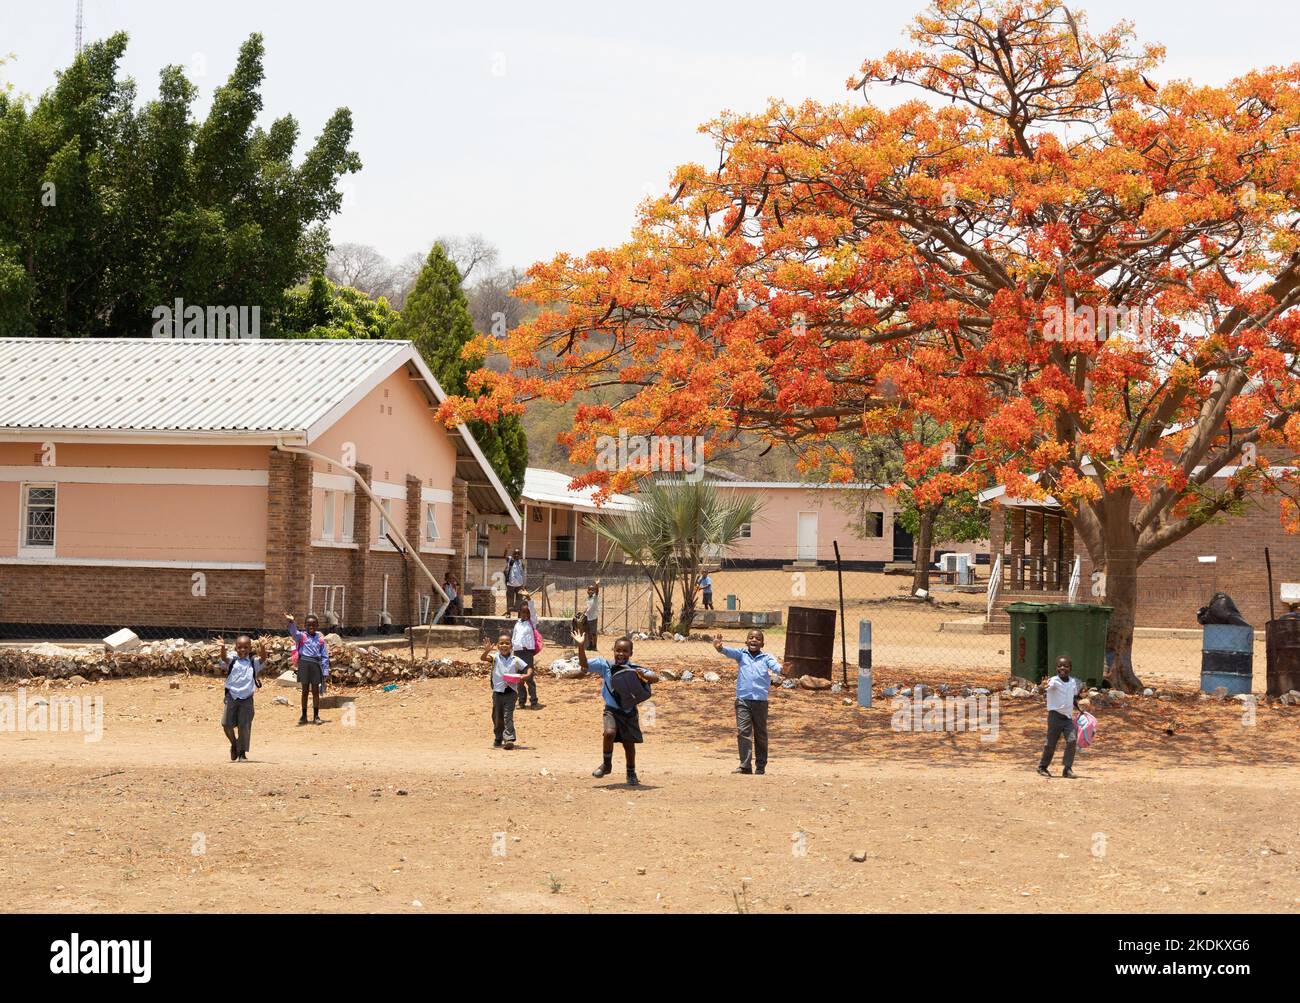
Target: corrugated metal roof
550, 487
163, 385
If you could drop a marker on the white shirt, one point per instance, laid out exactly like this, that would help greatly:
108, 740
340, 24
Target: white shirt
1060, 695
500, 666
593, 606
522, 639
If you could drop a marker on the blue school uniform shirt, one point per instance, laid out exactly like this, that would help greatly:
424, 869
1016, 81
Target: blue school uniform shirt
752, 679
503, 664
313, 646
706, 583
602, 668
239, 680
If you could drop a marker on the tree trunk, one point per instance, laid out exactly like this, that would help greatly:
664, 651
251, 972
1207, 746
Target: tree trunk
924, 544
1121, 595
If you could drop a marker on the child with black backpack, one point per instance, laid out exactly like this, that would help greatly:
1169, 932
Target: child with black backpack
625, 688
241, 682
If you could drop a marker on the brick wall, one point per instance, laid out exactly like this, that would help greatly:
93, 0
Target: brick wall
1172, 585
139, 598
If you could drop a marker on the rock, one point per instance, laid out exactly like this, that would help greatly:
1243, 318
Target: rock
81, 681
640, 870
1020, 682
980, 691
566, 668
814, 683
1165, 696
1017, 693
282, 701
668, 674
858, 856
678, 638
122, 642
788, 684
837, 689
1148, 692
712, 677
402, 793
333, 641
889, 691
289, 679
687, 676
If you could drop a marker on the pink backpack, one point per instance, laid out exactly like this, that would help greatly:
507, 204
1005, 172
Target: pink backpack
537, 640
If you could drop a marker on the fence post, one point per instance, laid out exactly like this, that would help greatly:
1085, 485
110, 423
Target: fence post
864, 663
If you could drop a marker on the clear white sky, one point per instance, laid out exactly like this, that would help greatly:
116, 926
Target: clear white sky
542, 124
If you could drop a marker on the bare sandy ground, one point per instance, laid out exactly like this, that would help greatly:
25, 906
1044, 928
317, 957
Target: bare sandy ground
401, 800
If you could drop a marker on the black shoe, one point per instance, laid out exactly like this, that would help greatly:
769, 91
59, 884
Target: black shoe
535, 705
760, 772
1069, 775
603, 770
317, 720
243, 757
496, 744
1043, 771
303, 719
741, 769
234, 752
632, 781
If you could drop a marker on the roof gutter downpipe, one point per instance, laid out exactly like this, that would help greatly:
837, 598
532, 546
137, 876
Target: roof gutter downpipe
374, 500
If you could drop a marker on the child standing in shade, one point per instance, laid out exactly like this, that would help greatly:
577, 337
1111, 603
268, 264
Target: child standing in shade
755, 668
524, 642
620, 725
591, 614
241, 681
504, 663
313, 663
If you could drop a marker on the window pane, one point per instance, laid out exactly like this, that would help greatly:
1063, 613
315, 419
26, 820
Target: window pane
38, 530
430, 524
327, 529
348, 502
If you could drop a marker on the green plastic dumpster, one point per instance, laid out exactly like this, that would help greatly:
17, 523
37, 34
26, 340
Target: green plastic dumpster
1029, 639
1078, 630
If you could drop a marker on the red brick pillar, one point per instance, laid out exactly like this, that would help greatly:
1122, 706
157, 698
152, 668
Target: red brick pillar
460, 525
414, 536
357, 613
1055, 550
1036, 541
288, 538
997, 534
1017, 548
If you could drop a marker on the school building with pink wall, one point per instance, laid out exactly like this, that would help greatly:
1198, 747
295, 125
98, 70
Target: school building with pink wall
186, 486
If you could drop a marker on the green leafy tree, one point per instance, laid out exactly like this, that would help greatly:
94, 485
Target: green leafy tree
109, 210
321, 309
436, 319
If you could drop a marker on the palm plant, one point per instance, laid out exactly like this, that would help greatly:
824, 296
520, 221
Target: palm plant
677, 527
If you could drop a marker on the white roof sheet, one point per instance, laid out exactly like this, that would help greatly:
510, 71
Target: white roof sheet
163, 385
550, 487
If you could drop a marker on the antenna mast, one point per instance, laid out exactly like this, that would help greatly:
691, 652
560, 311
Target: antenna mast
81, 24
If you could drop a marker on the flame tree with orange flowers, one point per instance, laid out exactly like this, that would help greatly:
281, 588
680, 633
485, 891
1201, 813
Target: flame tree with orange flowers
1092, 271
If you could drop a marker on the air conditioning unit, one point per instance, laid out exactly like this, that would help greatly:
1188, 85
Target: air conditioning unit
959, 565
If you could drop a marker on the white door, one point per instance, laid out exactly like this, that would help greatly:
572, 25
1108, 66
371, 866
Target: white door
807, 536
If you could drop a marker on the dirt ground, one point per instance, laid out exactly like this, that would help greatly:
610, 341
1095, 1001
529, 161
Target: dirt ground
399, 803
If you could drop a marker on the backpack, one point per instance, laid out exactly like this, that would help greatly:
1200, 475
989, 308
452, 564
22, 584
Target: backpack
230, 667
537, 640
628, 688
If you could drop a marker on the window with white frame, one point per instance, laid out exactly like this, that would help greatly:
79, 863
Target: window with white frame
327, 522
38, 518
430, 524
386, 506
348, 501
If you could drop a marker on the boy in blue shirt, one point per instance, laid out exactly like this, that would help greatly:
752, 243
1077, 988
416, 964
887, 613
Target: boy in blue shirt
706, 586
504, 663
755, 668
313, 663
241, 681
623, 726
